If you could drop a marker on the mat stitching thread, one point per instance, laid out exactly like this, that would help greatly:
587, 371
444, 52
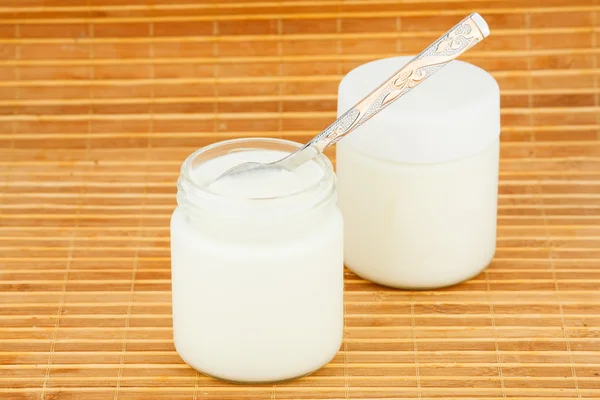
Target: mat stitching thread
216, 78
564, 328
415, 346
595, 67
63, 294
139, 232
280, 71
495, 333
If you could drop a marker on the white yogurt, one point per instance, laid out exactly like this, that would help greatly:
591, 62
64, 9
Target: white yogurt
418, 226
418, 183
263, 183
257, 268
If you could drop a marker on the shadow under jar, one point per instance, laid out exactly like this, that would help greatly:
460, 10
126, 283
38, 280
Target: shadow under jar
257, 282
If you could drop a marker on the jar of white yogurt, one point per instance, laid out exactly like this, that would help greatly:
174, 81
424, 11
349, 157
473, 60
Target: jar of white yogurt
418, 183
257, 264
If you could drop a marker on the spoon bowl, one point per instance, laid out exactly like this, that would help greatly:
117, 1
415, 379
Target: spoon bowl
288, 163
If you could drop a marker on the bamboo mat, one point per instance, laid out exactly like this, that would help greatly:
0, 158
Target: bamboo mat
100, 102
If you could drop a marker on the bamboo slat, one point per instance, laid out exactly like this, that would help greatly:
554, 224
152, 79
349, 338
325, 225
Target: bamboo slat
100, 102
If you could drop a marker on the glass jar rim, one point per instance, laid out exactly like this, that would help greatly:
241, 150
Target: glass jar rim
190, 191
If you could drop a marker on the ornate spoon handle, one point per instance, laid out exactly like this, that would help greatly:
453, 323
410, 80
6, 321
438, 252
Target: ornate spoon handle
466, 34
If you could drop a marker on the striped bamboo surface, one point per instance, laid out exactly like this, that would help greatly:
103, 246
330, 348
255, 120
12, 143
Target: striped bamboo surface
101, 100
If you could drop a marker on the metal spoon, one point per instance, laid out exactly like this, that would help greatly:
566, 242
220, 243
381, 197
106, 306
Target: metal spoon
466, 34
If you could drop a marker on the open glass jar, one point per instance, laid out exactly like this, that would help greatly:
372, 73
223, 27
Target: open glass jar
257, 282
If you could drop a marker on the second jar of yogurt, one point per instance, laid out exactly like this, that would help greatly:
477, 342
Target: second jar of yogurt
257, 265
418, 183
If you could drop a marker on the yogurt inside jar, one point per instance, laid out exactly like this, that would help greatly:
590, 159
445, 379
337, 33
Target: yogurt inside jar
257, 264
260, 184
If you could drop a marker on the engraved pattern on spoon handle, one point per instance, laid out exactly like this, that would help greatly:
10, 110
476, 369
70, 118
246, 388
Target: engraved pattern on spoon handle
449, 46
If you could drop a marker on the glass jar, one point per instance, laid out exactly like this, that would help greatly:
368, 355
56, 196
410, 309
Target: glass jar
257, 282
418, 183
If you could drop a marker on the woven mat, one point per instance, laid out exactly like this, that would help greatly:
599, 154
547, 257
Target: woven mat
100, 102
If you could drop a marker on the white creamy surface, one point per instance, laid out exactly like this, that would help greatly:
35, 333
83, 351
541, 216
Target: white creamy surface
263, 183
418, 226
254, 307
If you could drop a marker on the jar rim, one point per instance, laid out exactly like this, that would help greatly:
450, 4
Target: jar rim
190, 191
